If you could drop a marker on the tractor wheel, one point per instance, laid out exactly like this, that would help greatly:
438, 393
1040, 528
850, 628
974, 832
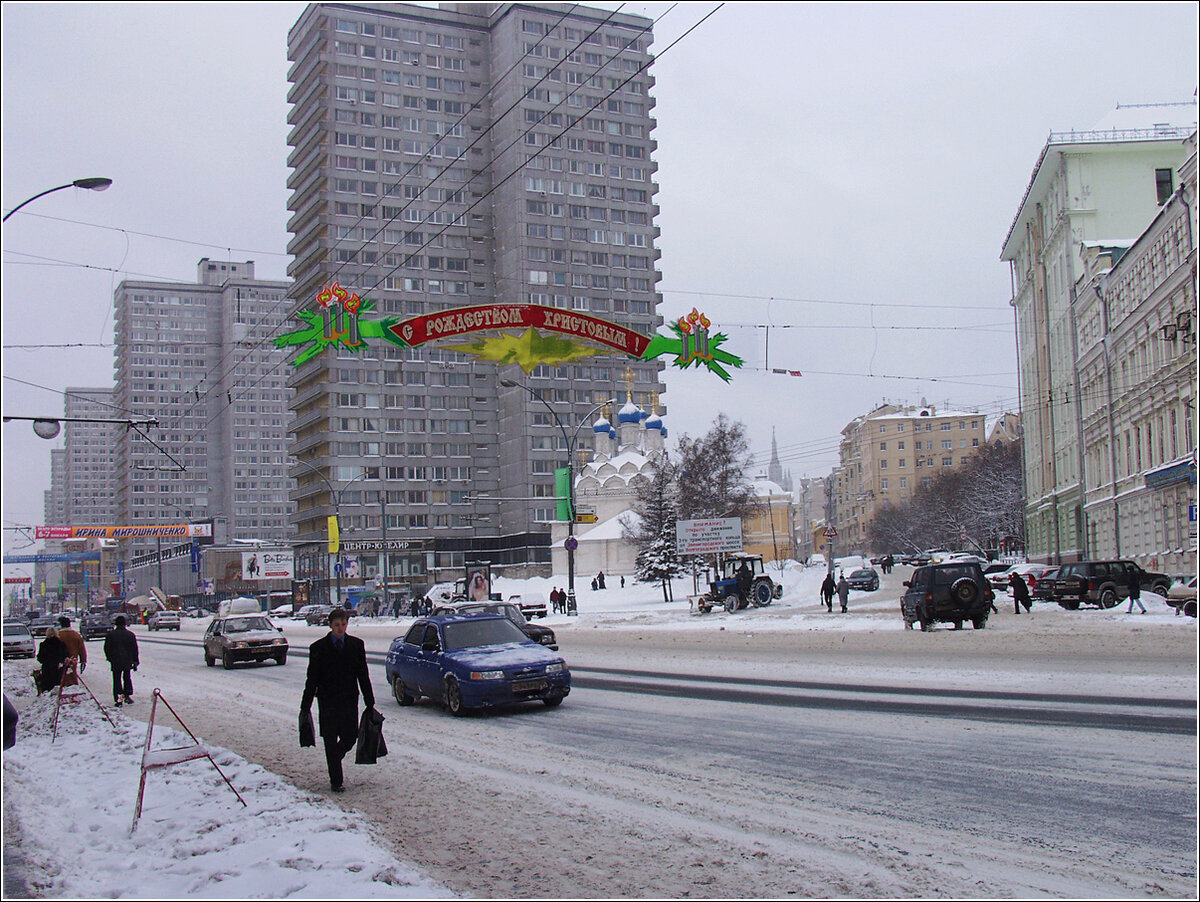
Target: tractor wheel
732, 603
762, 592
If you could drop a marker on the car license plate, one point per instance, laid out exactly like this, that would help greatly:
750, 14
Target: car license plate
529, 685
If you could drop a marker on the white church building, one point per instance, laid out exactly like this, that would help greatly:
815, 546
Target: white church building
604, 487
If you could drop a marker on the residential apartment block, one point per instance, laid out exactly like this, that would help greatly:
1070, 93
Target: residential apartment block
463, 155
1137, 388
1089, 190
199, 358
887, 454
89, 465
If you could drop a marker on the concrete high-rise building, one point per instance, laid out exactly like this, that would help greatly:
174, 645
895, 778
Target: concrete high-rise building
1089, 189
199, 358
464, 155
90, 458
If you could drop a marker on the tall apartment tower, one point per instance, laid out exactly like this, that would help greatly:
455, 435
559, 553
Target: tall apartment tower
464, 155
199, 358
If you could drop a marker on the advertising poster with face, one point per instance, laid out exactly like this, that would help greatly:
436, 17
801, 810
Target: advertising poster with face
479, 582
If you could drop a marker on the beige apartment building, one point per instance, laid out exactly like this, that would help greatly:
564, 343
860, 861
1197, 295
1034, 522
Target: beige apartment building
887, 454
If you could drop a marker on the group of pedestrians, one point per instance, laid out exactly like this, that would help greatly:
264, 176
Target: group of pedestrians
63, 656
841, 588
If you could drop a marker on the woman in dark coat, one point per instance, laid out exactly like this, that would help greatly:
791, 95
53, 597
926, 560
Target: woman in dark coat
51, 655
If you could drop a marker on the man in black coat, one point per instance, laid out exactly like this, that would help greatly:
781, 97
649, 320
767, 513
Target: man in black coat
337, 670
1020, 594
121, 650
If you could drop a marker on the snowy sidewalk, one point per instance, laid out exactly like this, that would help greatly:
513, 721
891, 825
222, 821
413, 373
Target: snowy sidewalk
71, 802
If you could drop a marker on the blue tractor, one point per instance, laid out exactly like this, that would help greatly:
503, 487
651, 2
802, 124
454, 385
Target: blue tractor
740, 581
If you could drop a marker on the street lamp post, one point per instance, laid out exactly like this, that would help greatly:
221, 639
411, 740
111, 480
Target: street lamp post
571, 441
92, 184
336, 496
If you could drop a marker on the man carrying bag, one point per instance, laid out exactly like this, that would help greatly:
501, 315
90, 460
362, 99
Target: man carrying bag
337, 670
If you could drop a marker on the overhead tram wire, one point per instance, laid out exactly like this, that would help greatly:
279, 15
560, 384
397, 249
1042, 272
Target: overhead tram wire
552, 142
444, 169
517, 140
494, 84
270, 313
520, 167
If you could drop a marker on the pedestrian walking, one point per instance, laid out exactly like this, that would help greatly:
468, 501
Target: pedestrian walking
1020, 594
843, 591
121, 652
337, 670
828, 590
52, 654
595, 585
76, 648
600, 579
1135, 592
622, 580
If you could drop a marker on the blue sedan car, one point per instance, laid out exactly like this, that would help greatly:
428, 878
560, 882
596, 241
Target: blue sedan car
473, 661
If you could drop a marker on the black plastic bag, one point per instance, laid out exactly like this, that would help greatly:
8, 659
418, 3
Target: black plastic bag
371, 746
308, 733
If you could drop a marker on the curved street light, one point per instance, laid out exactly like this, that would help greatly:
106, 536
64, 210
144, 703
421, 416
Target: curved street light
571, 442
92, 184
336, 496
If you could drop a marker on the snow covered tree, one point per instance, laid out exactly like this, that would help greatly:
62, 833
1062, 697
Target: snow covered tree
651, 527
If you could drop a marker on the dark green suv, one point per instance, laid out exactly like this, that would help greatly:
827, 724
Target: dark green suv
1103, 583
947, 593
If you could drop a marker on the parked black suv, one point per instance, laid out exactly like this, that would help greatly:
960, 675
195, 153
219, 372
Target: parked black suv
947, 593
1103, 583
542, 635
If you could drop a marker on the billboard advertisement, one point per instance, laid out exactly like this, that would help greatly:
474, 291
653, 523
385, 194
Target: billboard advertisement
258, 565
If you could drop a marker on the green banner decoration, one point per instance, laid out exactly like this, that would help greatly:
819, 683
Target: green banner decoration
337, 322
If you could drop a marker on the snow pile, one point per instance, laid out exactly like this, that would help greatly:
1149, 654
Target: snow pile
72, 800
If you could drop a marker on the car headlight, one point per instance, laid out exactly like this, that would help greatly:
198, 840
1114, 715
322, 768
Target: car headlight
487, 674
237, 644
556, 668
280, 641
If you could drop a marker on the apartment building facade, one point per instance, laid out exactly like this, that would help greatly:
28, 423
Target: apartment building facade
1137, 377
887, 454
464, 155
1087, 188
198, 357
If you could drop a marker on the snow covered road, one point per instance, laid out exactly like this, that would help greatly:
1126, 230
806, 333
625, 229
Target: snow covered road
756, 768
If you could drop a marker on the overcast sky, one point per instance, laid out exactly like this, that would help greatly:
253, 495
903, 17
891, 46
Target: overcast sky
842, 173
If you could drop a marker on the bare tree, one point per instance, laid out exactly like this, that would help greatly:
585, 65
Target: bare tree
978, 506
713, 473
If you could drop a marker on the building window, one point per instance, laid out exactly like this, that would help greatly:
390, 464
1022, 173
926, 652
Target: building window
1164, 183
